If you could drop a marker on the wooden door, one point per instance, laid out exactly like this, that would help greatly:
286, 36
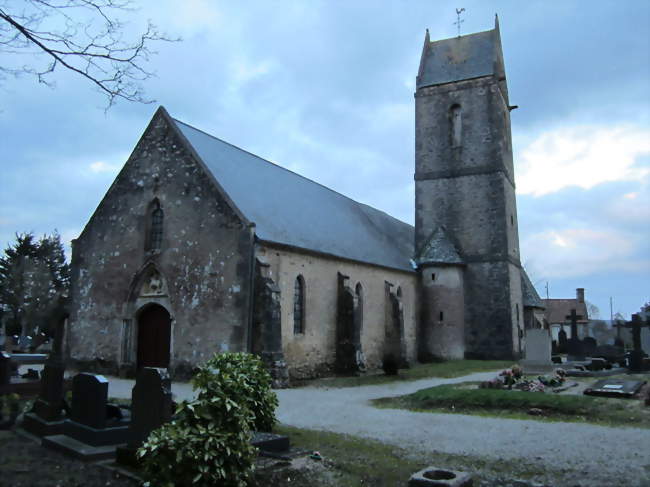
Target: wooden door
154, 333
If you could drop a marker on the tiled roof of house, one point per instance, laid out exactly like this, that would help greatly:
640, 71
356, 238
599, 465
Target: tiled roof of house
557, 310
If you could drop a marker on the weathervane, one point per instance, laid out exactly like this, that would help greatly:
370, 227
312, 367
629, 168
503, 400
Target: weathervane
458, 21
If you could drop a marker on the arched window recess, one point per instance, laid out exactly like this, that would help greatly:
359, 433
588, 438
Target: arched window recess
299, 306
155, 227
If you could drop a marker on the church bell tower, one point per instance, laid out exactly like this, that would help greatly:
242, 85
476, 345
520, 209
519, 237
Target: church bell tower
466, 238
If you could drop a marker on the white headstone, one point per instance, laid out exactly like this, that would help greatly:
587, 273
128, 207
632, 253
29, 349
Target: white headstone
538, 347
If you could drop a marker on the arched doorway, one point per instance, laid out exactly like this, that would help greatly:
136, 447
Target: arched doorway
154, 337
345, 346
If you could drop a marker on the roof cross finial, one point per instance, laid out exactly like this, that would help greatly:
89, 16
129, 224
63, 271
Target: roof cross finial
459, 21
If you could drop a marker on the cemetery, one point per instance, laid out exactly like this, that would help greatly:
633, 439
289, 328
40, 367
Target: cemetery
70, 414
74, 419
228, 426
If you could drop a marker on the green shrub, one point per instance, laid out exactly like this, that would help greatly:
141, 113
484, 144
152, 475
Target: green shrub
208, 441
244, 379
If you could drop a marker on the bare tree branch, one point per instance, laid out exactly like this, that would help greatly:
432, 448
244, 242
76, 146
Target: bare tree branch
83, 36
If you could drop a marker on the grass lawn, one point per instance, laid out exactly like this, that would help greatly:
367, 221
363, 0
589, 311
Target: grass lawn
446, 370
466, 398
352, 462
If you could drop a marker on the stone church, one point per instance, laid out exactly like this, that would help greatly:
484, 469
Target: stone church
201, 247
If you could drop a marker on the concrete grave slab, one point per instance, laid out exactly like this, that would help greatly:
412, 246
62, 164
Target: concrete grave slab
615, 388
78, 449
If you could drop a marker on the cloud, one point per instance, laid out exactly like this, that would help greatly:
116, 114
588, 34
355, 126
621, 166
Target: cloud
583, 156
101, 166
192, 16
576, 252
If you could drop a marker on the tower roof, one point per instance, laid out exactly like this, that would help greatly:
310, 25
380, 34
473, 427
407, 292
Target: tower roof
529, 294
438, 250
460, 58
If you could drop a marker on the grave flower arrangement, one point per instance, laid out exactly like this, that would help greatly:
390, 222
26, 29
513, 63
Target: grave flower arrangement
506, 379
513, 378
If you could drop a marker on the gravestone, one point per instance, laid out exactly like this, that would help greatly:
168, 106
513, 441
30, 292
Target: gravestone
637, 355
151, 407
89, 433
538, 351
89, 399
46, 417
575, 349
5, 368
562, 341
24, 343
589, 346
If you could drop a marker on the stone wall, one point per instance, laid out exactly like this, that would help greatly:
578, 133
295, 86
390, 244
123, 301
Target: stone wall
313, 353
443, 313
204, 261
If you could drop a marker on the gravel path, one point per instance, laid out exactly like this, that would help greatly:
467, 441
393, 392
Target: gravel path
591, 455
597, 455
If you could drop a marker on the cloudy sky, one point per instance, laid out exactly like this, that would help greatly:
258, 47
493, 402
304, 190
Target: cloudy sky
326, 89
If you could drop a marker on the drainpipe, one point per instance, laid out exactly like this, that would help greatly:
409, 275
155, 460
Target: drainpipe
251, 288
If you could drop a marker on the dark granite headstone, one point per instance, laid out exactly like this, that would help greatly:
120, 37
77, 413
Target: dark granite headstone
151, 404
611, 353
589, 345
597, 364
46, 416
151, 407
5, 368
89, 398
50, 401
635, 358
562, 341
94, 429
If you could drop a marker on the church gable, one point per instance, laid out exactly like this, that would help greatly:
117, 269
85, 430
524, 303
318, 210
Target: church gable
164, 210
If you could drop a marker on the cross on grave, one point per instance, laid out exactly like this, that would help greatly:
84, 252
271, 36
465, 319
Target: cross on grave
635, 325
574, 347
574, 317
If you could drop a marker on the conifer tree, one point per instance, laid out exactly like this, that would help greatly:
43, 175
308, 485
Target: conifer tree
34, 281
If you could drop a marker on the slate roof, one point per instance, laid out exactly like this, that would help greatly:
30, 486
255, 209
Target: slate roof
439, 250
292, 210
557, 310
458, 58
529, 294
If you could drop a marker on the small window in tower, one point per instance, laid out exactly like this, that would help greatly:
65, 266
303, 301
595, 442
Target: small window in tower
456, 125
433, 276
442, 316
512, 220
517, 305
